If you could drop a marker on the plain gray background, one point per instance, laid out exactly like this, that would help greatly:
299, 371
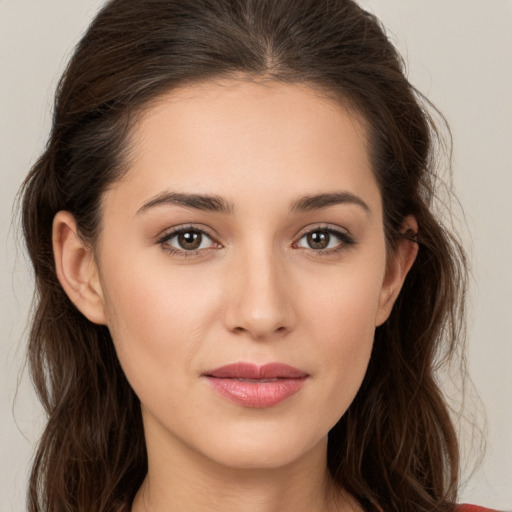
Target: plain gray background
459, 53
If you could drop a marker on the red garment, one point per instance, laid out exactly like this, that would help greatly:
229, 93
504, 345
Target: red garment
468, 508
473, 508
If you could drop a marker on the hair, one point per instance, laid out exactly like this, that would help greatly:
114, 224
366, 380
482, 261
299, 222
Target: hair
395, 448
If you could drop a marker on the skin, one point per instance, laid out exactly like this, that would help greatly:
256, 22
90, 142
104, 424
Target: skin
255, 290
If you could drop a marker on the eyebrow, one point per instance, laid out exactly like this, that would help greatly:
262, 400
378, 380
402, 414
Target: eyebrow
319, 201
215, 203
206, 202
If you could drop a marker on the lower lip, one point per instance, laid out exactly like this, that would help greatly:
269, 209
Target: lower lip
256, 394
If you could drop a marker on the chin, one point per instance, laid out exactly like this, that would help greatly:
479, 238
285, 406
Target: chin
265, 448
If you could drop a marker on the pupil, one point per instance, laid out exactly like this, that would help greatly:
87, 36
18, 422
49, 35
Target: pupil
318, 239
189, 240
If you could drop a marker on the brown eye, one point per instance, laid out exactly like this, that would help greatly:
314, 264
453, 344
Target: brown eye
318, 239
325, 240
189, 240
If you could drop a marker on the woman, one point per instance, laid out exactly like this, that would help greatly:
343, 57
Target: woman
242, 288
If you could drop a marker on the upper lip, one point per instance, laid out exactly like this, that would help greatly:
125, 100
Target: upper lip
252, 371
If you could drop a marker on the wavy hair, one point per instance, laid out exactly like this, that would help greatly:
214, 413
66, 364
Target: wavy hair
395, 448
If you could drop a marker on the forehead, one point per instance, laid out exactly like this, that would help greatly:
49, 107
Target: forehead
231, 137
221, 108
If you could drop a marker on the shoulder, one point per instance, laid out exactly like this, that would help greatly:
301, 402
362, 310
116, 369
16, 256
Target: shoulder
472, 508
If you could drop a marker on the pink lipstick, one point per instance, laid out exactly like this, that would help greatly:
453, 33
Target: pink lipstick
256, 386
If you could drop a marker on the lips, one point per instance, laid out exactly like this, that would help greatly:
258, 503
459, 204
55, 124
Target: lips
250, 385
252, 371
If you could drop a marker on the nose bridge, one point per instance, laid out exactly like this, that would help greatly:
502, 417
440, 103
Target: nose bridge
259, 304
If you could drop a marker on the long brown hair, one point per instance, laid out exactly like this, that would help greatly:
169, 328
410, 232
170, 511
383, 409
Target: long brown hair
395, 447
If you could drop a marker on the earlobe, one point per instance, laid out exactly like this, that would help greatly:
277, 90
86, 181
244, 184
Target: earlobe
76, 268
397, 269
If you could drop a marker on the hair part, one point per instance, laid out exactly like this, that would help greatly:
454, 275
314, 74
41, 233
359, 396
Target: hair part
395, 447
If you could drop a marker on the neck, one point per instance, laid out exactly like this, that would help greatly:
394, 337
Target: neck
184, 480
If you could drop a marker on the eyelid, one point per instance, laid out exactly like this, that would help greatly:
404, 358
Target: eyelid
334, 228
176, 230
345, 237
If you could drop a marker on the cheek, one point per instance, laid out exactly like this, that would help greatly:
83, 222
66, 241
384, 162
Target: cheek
342, 322
157, 318
343, 303
163, 319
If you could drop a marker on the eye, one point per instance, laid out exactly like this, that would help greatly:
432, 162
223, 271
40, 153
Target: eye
324, 239
187, 240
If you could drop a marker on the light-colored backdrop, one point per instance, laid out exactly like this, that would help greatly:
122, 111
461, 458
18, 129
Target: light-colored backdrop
459, 52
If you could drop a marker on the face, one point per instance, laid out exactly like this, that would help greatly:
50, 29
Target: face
247, 229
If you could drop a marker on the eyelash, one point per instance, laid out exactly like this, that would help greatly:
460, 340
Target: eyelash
345, 239
163, 241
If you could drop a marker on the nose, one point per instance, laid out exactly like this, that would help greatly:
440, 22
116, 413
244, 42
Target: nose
260, 303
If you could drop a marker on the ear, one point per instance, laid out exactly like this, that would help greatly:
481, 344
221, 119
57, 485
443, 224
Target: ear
76, 268
398, 265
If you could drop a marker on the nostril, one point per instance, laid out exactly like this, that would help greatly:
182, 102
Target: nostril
259, 331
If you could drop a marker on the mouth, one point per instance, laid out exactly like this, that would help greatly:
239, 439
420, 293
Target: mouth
256, 380
249, 385
254, 372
